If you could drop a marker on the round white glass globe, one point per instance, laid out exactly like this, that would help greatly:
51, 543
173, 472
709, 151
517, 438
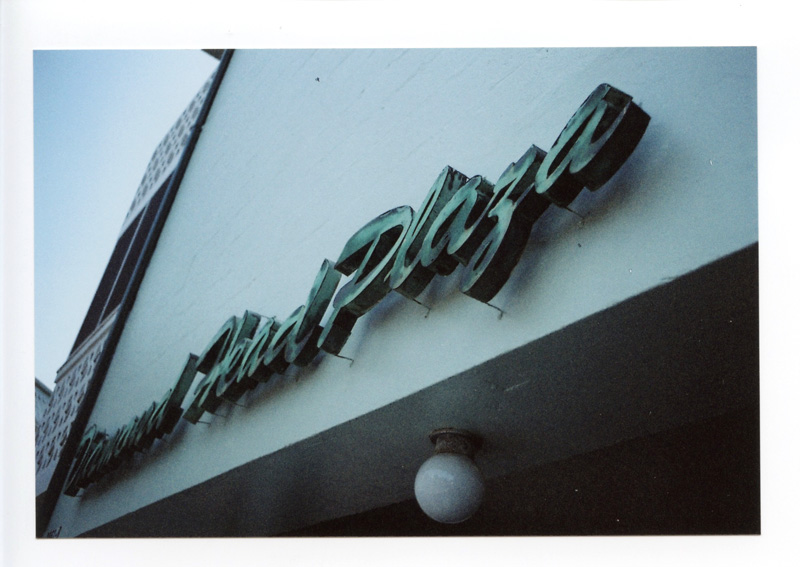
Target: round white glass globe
449, 488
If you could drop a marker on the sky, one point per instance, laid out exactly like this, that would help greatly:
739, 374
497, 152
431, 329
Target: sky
98, 116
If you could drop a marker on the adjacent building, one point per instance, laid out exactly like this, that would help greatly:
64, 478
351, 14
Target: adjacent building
43, 395
74, 375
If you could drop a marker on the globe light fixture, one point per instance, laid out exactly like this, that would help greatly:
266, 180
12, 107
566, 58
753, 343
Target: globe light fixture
449, 487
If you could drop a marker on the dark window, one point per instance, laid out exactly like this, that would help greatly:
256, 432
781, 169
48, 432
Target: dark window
120, 267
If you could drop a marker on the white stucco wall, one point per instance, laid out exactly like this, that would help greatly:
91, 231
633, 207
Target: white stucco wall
288, 167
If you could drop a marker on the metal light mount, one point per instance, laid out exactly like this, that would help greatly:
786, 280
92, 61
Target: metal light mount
458, 441
449, 486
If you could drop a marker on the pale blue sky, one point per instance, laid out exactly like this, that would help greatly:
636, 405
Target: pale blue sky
98, 116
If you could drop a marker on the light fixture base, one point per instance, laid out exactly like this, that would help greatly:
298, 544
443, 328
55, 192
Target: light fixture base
458, 441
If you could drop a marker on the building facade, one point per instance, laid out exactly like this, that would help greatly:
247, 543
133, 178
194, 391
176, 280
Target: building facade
43, 395
308, 313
